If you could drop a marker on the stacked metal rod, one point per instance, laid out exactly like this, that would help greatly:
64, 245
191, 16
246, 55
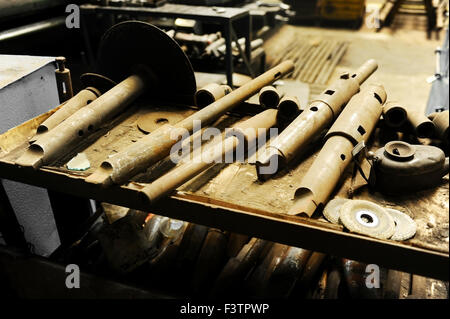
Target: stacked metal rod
315, 59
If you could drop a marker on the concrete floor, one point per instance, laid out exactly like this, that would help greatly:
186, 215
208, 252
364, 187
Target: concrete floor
406, 58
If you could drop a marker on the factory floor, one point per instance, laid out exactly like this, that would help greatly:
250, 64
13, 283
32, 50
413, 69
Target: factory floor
405, 56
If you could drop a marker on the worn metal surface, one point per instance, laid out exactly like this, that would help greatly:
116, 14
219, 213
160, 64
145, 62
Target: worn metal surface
422, 125
210, 94
355, 124
394, 114
269, 97
312, 121
154, 147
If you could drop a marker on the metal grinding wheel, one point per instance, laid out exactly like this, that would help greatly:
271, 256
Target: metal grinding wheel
333, 208
133, 45
151, 121
367, 218
405, 226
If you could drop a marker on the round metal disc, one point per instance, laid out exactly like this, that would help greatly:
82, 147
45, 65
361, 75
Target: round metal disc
367, 218
333, 208
405, 226
100, 82
153, 120
134, 45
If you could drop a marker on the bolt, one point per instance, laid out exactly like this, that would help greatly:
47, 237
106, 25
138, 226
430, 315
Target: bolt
61, 63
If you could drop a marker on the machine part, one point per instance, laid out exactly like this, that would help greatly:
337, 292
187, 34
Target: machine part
63, 80
121, 167
151, 121
423, 127
144, 70
405, 226
312, 121
394, 114
269, 97
289, 107
277, 275
441, 123
355, 277
237, 268
210, 261
354, 125
210, 94
367, 218
170, 72
95, 84
333, 208
79, 163
182, 173
402, 168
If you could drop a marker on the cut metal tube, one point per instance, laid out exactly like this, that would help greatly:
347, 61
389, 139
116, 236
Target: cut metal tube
313, 120
423, 126
269, 97
354, 125
441, 122
83, 98
84, 121
394, 114
210, 94
156, 145
210, 156
289, 107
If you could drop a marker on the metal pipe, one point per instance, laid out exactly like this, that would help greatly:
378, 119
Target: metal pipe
441, 123
31, 28
289, 107
210, 94
394, 114
181, 174
269, 97
423, 127
84, 121
156, 145
355, 124
313, 120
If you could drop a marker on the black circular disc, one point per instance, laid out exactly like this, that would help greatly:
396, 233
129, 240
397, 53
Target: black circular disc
131, 45
100, 82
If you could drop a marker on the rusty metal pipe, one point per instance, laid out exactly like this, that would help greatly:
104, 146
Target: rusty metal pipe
210, 94
355, 124
423, 127
156, 145
269, 97
181, 174
289, 107
441, 123
84, 121
394, 114
81, 99
313, 120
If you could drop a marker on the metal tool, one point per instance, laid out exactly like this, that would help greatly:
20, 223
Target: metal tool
63, 80
313, 120
355, 124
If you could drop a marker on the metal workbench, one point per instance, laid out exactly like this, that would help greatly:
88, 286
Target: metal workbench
225, 17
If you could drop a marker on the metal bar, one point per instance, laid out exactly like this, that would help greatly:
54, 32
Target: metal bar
242, 53
229, 53
31, 28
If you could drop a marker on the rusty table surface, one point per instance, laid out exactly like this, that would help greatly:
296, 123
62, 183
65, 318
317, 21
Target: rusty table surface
231, 198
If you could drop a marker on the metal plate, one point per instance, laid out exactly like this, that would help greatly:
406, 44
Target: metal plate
367, 218
405, 226
128, 45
